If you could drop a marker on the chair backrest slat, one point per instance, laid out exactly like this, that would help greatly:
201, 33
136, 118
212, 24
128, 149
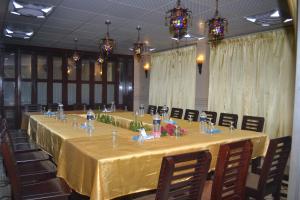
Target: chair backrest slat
194, 114
160, 109
176, 113
33, 108
226, 118
212, 116
275, 162
231, 171
253, 123
183, 176
152, 109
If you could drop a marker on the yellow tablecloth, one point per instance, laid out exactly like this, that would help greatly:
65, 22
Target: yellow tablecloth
103, 168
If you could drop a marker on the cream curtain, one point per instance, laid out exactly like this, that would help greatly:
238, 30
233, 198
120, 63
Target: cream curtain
254, 75
293, 9
173, 78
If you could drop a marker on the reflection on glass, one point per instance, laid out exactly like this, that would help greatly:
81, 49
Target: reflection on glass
85, 93
42, 93
57, 68
98, 71
110, 72
9, 93
71, 69
25, 93
122, 78
71, 93
98, 93
110, 93
42, 67
57, 92
85, 70
9, 65
25, 66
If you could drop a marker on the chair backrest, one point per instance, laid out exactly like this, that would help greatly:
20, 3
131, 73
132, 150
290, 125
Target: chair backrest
183, 176
176, 113
231, 171
252, 123
212, 116
193, 113
160, 109
11, 168
226, 118
3, 128
152, 109
53, 107
274, 163
33, 108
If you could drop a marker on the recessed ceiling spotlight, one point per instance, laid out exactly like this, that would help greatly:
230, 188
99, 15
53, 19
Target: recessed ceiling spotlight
265, 24
152, 49
14, 32
288, 20
173, 38
251, 19
187, 35
201, 38
30, 9
275, 14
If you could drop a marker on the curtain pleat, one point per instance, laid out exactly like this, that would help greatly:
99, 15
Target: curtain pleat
293, 10
173, 78
254, 75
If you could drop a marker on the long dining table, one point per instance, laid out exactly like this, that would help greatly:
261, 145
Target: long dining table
108, 163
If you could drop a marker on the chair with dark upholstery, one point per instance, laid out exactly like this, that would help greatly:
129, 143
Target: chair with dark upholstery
268, 181
226, 118
152, 109
160, 110
54, 188
253, 123
176, 113
53, 107
212, 116
231, 172
182, 176
33, 108
193, 113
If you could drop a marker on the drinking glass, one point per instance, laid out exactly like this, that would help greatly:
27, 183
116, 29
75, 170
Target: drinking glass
231, 127
114, 138
190, 118
74, 122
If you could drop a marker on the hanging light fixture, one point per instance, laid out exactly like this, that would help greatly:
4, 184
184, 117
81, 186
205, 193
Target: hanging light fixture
108, 44
178, 20
216, 27
76, 56
138, 46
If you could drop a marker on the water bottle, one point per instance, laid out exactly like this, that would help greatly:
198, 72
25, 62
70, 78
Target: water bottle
203, 119
90, 117
142, 110
113, 107
60, 111
156, 126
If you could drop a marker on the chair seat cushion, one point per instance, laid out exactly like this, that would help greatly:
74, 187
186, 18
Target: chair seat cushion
36, 171
25, 147
55, 188
31, 157
252, 181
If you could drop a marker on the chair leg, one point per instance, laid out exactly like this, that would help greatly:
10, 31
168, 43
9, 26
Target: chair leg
255, 164
276, 194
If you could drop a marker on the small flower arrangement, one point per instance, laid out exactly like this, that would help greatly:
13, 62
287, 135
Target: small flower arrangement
137, 125
170, 130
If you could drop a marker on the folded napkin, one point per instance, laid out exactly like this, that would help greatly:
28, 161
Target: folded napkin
213, 131
142, 136
49, 113
170, 121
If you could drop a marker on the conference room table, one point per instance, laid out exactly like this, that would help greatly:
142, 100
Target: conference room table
108, 163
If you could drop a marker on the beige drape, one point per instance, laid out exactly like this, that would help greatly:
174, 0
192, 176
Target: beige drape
173, 78
254, 75
293, 9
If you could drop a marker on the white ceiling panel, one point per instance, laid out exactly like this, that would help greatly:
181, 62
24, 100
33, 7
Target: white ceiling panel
85, 19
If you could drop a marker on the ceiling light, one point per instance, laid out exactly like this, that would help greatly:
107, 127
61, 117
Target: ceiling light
15, 13
251, 19
41, 16
265, 24
26, 37
288, 20
201, 38
46, 10
8, 35
108, 44
173, 38
17, 5
29, 33
151, 49
187, 35
9, 31
275, 14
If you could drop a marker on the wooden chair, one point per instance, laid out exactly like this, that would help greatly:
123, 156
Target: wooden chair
272, 171
212, 116
226, 118
252, 123
193, 113
231, 172
182, 176
152, 109
33, 108
176, 113
160, 110
54, 188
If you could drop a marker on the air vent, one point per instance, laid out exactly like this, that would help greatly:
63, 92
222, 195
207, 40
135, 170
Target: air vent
273, 17
31, 10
